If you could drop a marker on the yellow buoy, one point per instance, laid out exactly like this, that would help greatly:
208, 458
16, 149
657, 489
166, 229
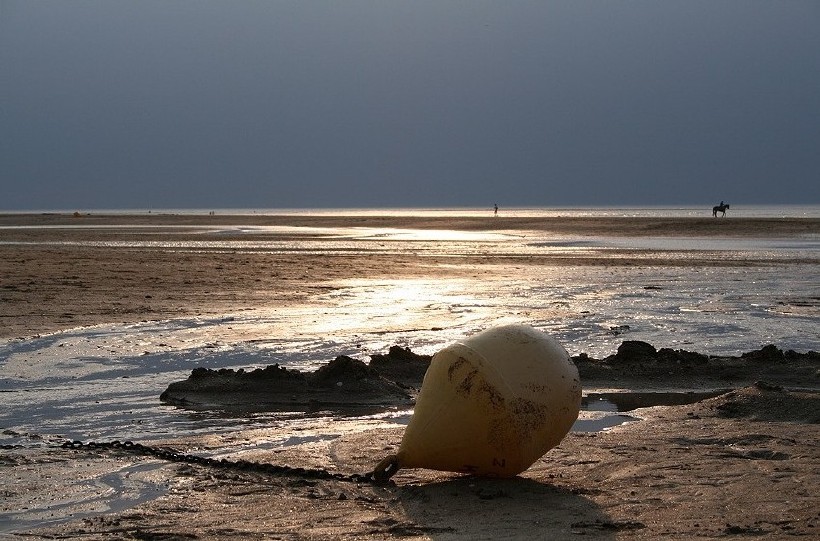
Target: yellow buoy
490, 405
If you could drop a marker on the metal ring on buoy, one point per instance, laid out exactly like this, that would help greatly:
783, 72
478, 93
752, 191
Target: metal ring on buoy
386, 469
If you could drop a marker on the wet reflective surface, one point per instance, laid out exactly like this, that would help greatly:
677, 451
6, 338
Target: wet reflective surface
104, 381
600, 411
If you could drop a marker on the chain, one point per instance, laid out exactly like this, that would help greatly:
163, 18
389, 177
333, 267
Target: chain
171, 455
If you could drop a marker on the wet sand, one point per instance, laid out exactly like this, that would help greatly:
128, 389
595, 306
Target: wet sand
734, 466
51, 281
739, 465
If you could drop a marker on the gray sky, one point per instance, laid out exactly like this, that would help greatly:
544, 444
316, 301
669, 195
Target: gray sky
117, 104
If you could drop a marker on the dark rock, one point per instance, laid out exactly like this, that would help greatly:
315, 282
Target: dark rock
199, 373
768, 353
398, 353
681, 357
276, 372
401, 365
764, 386
273, 372
633, 351
343, 369
343, 382
640, 362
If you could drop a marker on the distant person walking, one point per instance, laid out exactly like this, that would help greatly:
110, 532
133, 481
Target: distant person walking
495, 209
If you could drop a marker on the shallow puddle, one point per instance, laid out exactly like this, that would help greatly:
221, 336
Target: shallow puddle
600, 411
628, 401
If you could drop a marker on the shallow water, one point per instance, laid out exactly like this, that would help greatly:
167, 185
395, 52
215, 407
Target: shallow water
104, 381
738, 210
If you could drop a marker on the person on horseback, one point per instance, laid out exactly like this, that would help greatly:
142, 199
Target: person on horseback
720, 208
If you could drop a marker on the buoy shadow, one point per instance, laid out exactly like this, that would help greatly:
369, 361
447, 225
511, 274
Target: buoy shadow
481, 508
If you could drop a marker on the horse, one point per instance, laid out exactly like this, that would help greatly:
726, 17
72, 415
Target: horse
720, 208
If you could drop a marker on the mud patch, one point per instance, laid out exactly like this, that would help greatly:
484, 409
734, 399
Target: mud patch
640, 362
344, 382
766, 402
401, 365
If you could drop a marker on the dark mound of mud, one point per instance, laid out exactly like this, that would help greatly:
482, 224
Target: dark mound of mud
766, 402
344, 382
401, 365
391, 379
640, 362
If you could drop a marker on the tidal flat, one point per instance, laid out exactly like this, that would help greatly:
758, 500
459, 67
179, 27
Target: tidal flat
100, 313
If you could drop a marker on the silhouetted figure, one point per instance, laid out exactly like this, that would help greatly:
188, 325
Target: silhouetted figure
720, 208
495, 209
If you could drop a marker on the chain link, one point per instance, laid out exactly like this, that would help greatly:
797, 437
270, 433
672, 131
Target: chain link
172, 455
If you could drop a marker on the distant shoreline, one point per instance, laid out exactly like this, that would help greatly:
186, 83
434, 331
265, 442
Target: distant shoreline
577, 225
627, 211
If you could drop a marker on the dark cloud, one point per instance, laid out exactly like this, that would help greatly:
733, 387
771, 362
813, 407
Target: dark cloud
290, 103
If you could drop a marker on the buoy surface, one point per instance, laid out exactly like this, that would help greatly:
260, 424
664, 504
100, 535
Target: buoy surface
492, 404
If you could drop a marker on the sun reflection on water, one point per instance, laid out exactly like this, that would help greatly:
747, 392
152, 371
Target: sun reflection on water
431, 235
385, 307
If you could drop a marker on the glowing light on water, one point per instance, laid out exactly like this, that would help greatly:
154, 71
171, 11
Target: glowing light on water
105, 381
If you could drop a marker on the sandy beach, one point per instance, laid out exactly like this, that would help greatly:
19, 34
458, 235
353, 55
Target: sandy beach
742, 464
52, 281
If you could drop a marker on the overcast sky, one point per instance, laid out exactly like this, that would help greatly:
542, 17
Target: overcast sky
273, 104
